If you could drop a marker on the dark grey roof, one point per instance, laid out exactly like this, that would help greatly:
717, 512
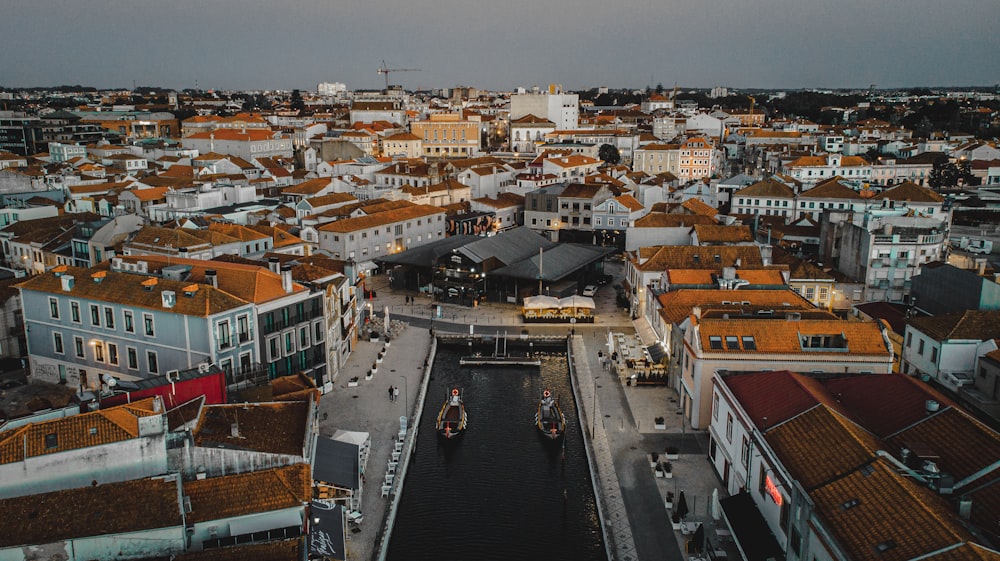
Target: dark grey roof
336, 463
508, 247
556, 262
426, 255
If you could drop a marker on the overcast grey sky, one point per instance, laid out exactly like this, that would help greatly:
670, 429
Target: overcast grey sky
499, 44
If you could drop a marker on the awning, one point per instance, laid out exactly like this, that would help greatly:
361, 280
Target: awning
337, 463
656, 352
326, 531
751, 533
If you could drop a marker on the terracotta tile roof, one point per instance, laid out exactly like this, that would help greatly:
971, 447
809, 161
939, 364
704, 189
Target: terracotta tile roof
238, 135
99, 188
969, 551
865, 398
127, 289
166, 238
572, 160
698, 207
310, 187
709, 233
78, 431
970, 324
766, 188
331, 199
821, 445
237, 232
756, 392
630, 202
380, 219
890, 509
580, 191
665, 220
279, 237
909, 191
245, 283
97, 510
676, 305
864, 339
661, 258
853, 161
150, 194
831, 189
756, 277
277, 428
530, 119
965, 445
218, 498
213, 237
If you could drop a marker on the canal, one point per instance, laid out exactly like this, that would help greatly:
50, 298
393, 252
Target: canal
501, 490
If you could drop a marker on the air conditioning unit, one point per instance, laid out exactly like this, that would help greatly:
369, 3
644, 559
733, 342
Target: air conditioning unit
203, 367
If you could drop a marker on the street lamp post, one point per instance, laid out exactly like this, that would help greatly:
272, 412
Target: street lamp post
406, 395
593, 413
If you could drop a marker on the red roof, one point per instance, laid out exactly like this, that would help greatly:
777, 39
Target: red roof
865, 398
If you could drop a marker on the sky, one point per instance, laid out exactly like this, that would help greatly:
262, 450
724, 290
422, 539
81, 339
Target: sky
499, 44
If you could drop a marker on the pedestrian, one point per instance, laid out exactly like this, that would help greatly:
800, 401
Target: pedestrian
395, 393
390, 393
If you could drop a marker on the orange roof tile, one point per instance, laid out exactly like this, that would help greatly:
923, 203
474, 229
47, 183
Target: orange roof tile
380, 219
224, 497
784, 337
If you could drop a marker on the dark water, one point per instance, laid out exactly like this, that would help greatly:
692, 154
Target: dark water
501, 490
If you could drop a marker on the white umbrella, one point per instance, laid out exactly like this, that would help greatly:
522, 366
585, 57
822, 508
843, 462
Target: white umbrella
387, 321
715, 506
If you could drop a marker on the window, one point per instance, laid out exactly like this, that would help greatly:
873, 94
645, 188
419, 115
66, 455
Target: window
303, 337
109, 318
749, 344
934, 355
732, 343
51, 441
129, 322
147, 323
920, 347
99, 351
909, 339
272, 349
151, 362
745, 453
57, 343
78, 346
729, 427
242, 327
289, 343
95, 315
113, 354
715, 407
54, 308
715, 342
74, 311
133, 358
225, 339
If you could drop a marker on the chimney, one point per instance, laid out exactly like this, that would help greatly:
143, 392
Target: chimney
169, 298
273, 264
765, 255
67, 282
286, 278
728, 273
211, 278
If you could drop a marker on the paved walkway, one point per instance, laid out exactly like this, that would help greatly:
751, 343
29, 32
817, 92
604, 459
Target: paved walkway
621, 418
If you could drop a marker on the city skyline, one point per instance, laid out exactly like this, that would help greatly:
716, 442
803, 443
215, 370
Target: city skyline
227, 45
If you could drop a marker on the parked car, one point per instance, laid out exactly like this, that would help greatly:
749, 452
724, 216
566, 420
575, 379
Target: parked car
589, 290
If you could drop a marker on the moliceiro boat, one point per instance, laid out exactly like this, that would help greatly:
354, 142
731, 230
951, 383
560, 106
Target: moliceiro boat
452, 419
550, 419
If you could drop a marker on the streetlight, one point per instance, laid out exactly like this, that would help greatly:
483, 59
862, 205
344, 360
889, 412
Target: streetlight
406, 394
593, 413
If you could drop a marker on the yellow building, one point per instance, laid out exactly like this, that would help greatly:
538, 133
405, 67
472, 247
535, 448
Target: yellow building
447, 136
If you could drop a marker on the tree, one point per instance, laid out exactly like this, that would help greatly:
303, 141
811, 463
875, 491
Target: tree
946, 173
609, 154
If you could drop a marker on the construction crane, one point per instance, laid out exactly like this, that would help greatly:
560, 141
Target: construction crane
384, 69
